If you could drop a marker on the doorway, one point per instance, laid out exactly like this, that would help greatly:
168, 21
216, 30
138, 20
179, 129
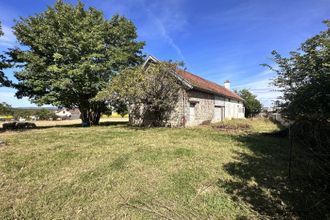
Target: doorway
192, 113
219, 113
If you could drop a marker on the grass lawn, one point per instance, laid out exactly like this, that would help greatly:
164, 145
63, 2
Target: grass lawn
116, 171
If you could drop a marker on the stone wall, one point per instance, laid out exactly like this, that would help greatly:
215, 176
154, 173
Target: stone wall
203, 104
196, 107
233, 109
179, 115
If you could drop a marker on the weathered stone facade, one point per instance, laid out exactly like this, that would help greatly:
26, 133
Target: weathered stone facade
178, 116
196, 107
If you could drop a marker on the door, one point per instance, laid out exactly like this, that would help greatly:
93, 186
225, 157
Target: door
192, 113
218, 114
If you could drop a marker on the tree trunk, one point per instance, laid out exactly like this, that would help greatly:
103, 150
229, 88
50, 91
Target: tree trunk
91, 112
89, 116
84, 116
95, 117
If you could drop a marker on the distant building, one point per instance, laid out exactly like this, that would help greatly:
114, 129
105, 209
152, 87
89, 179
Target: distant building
68, 113
274, 113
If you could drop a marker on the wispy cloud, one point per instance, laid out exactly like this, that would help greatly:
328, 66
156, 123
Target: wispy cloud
263, 89
165, 35
8, 96
168, 19
157, 21
266, 72
8, 39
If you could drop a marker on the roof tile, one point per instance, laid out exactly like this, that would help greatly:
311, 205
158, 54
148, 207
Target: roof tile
206, 85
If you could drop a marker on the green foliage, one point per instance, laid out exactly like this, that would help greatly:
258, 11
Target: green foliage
23, 113
71, 54
252, 104
304, 78
120, 107
151, 92
5, 109
45, 114
41, 114
3, 65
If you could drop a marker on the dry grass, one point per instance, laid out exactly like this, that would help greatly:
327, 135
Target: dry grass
257, 125
72, 122
120, 172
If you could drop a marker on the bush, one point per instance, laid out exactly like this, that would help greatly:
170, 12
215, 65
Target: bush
18, 125
23, 113
151, 93
310, 151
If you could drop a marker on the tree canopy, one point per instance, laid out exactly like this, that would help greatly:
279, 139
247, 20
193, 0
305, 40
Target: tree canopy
70, 53
252, 104
151, 92
3, 65
304, 78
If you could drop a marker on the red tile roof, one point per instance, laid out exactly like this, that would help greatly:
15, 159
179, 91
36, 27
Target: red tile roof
206, 85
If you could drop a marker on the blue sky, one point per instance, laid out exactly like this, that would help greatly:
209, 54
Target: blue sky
218, 40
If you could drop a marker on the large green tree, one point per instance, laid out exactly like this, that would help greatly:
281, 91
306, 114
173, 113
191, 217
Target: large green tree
252, 104
304, 78
151, 93
3, 65
70, 53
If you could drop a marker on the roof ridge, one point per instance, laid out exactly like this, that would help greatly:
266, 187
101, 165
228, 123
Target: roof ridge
207, 80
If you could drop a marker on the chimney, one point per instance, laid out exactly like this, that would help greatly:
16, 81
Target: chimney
227, 84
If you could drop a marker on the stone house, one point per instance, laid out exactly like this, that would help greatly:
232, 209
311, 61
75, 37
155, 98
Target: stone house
202, 101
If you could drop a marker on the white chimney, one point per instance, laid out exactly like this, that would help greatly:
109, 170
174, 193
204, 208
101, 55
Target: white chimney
227, 84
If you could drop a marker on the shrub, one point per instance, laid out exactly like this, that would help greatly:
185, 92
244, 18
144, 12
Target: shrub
18, 125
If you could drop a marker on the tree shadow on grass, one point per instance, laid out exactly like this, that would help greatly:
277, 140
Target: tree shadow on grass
260, 180
105, 124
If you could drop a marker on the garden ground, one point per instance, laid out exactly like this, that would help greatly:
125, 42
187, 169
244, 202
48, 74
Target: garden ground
117, 171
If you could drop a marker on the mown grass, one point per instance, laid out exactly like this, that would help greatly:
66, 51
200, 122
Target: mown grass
121, 172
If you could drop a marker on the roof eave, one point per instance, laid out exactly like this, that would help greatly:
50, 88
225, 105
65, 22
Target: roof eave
216, 93
180, 78
150, 59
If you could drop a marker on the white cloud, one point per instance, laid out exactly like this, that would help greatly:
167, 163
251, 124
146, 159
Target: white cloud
8, 96
264, 91
8, 39
266, 72
170, 14
164, 33
168, 19
164, 19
